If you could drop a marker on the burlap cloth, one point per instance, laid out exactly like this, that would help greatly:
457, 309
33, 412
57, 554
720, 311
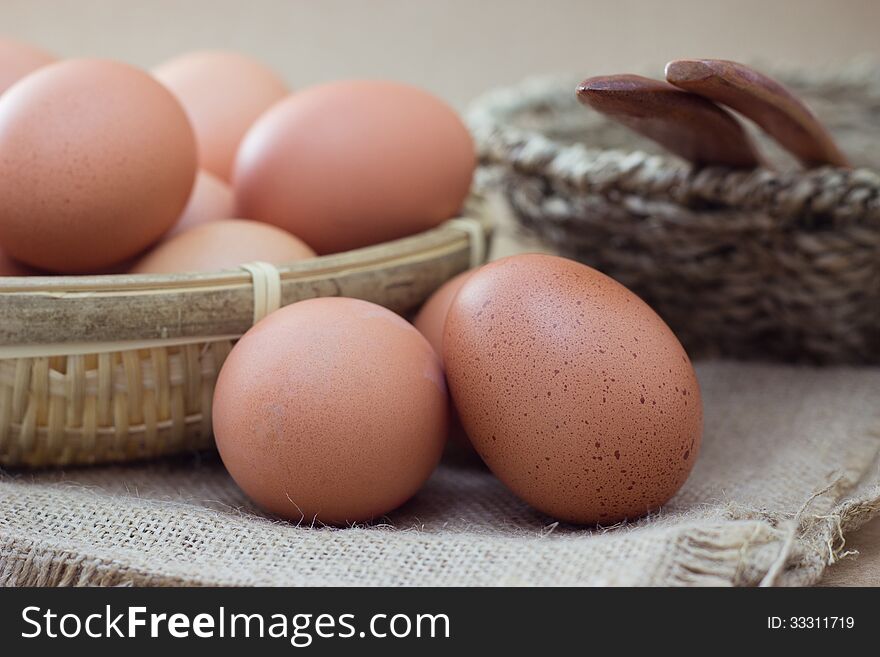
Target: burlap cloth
788, 466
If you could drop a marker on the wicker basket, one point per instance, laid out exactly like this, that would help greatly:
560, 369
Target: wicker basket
111, 368
781, 264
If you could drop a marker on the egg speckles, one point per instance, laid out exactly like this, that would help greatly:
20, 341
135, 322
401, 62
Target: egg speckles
575, 393
98, 163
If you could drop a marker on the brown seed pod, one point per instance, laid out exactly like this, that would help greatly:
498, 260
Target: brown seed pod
686, 124
780, 113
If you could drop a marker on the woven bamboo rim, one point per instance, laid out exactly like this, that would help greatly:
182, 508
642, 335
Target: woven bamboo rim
775, 263
121, 367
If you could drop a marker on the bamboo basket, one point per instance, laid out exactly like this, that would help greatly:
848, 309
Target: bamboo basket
97, 369
776, 263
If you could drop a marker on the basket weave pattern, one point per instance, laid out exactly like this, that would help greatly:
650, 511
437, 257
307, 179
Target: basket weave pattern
108, 407
781, 263
116, 368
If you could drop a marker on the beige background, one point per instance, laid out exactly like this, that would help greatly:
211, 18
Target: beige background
457, 48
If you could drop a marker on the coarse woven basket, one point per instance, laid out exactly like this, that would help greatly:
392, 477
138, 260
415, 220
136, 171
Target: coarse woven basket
775, 263
113, 368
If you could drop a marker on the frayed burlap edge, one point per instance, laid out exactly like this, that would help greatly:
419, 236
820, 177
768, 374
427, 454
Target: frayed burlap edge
803, 547
730, 553
746, 547
28, 563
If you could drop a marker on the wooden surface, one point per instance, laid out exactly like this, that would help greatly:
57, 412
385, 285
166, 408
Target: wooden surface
48, 310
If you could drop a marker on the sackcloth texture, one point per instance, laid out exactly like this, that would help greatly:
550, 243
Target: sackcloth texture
789, 465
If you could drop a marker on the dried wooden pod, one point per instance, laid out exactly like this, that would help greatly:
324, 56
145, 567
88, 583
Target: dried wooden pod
778, 112
686, 124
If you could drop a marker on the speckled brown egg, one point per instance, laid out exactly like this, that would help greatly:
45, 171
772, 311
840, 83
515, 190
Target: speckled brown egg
430, 321
18, 59
331, 410
223, 244
572, 389
98, 160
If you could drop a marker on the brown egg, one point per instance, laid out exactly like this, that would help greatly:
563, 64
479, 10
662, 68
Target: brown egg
98, 162
211, 199
223, 244
332, 410
349, 164
575, 393
430, 322
9, 267
431, 318
19, 59
223, 94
